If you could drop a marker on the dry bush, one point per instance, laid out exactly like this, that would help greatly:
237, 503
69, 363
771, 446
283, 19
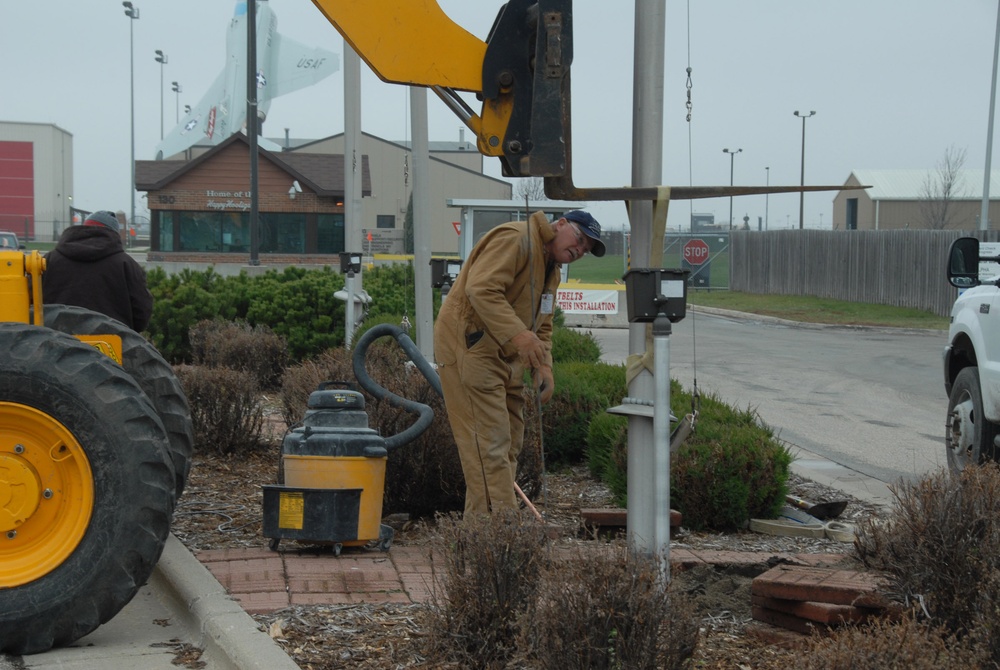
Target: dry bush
257, 350
226, 413
888, 645
611, 609
425, 476
492, 568
941, 550
298, 381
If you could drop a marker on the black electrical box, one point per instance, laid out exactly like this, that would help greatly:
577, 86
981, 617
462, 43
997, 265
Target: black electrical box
350, 261
649, 292
444, 271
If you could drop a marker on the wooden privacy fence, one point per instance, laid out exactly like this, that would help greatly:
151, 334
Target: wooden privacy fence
902, 268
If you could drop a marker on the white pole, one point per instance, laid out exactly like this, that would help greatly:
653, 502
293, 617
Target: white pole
984, 215
647, 168
424, 296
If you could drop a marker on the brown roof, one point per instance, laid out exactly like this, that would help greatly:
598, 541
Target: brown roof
322, 173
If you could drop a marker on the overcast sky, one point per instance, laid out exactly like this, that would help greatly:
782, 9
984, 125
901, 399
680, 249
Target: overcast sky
893, 84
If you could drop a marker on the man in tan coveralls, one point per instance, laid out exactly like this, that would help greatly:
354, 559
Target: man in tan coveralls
495, 324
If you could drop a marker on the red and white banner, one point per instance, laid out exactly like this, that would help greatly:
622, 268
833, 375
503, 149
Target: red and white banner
587, 301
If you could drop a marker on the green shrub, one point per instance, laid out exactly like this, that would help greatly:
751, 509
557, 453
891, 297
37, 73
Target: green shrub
226, 413
296, 303
179, 302
300, 306
730, 470
570, 345
607, 453
940, 547
583, 390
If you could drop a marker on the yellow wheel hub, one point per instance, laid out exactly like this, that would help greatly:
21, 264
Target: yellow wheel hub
46, 494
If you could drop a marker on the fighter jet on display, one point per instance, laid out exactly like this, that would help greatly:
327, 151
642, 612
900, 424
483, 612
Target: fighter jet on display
283, 66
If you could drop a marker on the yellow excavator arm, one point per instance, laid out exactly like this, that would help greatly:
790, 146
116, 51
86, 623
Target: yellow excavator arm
520, 73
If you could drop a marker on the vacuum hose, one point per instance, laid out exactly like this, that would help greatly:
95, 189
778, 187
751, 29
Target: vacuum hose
426, 414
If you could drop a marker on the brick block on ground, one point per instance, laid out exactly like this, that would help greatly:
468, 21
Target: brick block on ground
824, 585
825, 613
779, 637
616, 517
787, 621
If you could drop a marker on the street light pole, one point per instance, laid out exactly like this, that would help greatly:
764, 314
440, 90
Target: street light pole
732, 159
132, 13
161, 58
802, 179
767, 172
176, 88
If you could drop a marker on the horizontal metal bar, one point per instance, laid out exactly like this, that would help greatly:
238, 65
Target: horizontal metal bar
562, 188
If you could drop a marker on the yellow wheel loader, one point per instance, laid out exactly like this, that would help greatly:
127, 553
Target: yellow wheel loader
95, 445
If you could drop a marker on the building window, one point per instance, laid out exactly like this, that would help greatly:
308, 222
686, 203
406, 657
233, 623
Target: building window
385, 221
166, 238
282, 233
330, 233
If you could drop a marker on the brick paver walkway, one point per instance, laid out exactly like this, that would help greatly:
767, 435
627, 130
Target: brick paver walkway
263, 581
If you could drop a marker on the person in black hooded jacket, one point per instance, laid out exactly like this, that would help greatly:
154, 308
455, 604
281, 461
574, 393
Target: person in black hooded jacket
89, 268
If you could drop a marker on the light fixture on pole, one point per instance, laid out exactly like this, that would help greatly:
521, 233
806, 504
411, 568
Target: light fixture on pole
132, 13
802, 180
767, 172
732, 159
187, 110
176, 88
161, 58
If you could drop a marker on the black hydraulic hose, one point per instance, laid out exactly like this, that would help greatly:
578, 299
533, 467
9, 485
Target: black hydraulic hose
424, 412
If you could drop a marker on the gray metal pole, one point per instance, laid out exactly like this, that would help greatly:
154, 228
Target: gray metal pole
647, 169
424, 297
133, 14
984, 215
802, 178
661, 440
767, 171
353, 221
251, 84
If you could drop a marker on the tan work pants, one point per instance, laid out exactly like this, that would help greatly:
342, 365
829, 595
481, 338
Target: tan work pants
485, 403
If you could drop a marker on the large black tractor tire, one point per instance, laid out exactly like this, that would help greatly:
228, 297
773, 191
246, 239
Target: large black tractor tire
969, 435
86, 488
141, 360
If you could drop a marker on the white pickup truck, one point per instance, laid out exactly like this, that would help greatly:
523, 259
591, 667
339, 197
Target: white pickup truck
972, 356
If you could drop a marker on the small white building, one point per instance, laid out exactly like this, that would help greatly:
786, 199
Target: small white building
899, 199
36, 179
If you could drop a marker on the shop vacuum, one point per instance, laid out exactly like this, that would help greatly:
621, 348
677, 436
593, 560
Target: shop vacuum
331, 475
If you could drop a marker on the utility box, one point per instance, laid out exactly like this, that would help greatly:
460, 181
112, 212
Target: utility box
444, 271
350, 261
649, 292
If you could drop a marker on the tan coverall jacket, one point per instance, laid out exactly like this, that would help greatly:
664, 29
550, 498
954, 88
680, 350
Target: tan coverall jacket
497, 295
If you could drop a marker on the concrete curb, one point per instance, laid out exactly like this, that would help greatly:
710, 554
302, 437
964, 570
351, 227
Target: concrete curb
804, 324
228, 635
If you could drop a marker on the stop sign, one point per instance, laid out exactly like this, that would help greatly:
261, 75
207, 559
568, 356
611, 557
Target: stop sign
695, 251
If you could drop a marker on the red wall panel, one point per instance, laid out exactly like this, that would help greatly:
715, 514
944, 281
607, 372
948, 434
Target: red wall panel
17, 187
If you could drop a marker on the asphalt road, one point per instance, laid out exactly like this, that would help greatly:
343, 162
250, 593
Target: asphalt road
870, 399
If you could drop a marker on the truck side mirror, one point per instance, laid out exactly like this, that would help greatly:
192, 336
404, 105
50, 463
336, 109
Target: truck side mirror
963, 263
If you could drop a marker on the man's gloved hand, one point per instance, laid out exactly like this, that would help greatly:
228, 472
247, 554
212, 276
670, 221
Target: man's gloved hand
530, 349
544, 383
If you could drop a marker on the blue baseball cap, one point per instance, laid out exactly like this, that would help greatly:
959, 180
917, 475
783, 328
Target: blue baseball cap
589, 227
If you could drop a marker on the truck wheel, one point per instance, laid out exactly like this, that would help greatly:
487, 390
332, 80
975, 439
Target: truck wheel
141, 360
86, 488
968, 435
